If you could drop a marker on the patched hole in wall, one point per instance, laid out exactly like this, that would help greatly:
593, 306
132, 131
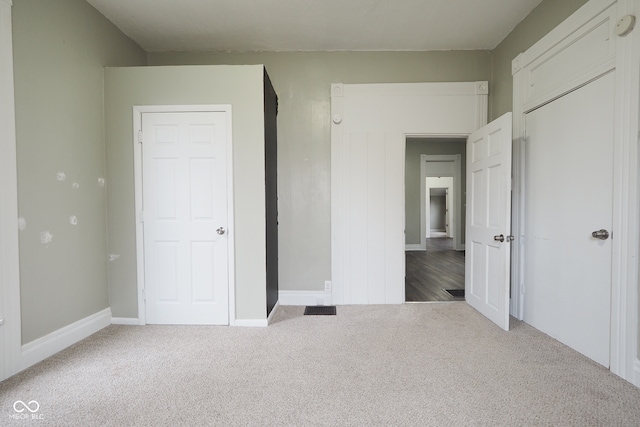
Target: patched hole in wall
46, 237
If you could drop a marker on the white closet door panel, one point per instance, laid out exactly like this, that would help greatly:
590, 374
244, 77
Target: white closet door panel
569, 194
185, 203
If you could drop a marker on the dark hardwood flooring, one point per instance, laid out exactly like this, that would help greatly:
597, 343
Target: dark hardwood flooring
430, 272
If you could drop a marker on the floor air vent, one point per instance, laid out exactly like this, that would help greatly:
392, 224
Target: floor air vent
455, 292
320, 310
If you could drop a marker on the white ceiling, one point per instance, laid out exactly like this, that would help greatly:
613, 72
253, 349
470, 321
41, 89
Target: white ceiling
315, 25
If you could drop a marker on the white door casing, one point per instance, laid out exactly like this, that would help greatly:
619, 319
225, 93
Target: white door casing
487, 259
368, 134
435, 185
185, 262
453, 165
582, 48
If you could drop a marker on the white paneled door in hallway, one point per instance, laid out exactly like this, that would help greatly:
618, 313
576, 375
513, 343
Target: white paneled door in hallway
184, 185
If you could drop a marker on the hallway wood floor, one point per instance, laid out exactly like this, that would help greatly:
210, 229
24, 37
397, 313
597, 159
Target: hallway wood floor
430, 272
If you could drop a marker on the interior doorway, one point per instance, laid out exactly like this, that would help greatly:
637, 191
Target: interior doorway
439, 207
435, 188
440, 211
370, 127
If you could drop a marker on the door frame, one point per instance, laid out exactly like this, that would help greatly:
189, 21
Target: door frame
623, 55
455, 110
137, 156
457, 188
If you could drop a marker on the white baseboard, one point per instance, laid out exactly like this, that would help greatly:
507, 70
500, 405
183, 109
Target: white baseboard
133, 321
41, 348
304, 298
413, 247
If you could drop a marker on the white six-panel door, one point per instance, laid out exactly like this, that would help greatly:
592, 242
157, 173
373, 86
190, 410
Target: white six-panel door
488, 255
185, 217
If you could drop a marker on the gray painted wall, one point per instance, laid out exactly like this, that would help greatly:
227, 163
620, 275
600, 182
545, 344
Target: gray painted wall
416, 147
60, 49
240, 86
302, 81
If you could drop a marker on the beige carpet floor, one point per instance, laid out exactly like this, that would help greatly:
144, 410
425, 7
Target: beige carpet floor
409, 365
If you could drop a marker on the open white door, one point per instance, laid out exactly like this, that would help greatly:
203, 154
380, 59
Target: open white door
488, 255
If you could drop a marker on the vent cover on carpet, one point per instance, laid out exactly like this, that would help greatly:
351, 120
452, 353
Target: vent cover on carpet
320, 310
455, 292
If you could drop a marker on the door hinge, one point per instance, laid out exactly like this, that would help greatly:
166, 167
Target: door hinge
141, 217
144, 294
140, 136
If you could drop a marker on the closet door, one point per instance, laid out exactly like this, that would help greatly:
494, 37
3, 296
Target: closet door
569, 196
185, 217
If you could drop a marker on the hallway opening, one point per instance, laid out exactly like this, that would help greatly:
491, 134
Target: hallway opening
435, 185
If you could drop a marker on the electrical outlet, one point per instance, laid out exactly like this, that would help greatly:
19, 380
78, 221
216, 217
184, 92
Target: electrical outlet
327, 285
